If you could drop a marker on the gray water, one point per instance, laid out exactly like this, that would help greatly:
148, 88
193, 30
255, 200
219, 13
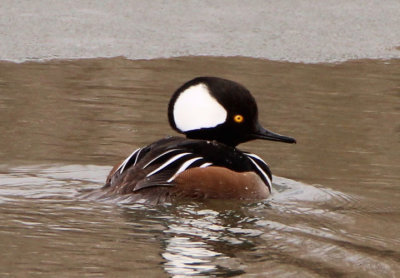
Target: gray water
335, 207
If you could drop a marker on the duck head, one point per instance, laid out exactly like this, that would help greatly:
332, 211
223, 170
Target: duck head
212, 108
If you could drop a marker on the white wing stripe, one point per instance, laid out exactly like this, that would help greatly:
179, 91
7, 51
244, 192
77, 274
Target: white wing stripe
171, 160
263, 173
184, 167
137, 156
154, 159
123, 164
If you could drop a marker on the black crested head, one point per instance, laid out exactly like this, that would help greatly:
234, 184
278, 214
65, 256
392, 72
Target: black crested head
213, 108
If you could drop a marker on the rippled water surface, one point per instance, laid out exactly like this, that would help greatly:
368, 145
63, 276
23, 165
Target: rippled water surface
335, 211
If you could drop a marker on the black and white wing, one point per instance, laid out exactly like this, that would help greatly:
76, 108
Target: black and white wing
131, 160
162, 169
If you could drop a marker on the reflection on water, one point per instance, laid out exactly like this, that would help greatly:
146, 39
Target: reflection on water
335, 214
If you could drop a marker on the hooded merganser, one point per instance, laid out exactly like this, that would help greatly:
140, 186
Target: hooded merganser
215, 115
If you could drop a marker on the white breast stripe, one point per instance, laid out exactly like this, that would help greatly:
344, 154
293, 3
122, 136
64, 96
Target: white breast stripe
164, 153
204, 165
256, 157
263, 173
122, 166
184, 167
171, 160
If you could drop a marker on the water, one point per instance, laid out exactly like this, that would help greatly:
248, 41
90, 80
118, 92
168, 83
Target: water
335, 210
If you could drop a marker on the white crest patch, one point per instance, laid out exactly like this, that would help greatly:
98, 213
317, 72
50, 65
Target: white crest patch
195, 108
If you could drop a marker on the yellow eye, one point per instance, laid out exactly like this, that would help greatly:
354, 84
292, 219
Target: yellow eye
238, 118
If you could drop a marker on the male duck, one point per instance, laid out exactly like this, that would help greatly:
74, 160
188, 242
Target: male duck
216, 115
